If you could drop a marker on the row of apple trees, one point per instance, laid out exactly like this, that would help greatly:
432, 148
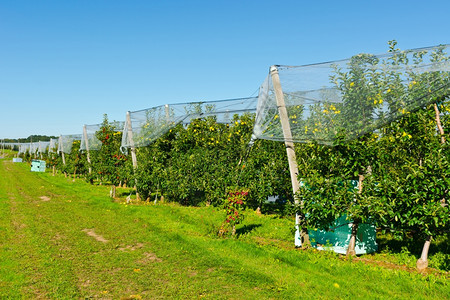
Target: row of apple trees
191, 164
402, 168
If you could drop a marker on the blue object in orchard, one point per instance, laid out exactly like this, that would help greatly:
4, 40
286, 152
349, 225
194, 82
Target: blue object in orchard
38, 165
338, 236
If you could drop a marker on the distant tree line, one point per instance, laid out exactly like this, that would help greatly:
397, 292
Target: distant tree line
31, 138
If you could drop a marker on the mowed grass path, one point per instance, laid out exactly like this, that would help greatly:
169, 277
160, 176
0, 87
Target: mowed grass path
61, 239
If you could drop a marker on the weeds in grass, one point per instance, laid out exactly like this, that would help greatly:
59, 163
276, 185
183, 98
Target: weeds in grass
167, 250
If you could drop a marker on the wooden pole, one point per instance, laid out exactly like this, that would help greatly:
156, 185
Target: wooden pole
131, 141
133, 149
439, 124
422, 262
290, 150
87, 148
166, 109
61, 147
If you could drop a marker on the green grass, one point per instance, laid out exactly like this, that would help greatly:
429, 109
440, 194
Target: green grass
166, 251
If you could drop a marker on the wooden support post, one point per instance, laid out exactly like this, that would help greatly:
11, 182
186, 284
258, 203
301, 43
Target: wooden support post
61, 147
133, 149
166, 109
439, 124
290, 150
422, 262
86, 142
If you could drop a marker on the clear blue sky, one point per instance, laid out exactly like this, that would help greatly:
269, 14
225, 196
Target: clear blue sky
66, 63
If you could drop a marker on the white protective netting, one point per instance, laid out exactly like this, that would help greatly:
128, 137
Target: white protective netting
34, 147
65, 142
89, 140
352, 97
10, 145
24, 147
53, 145
145, 126
43, 146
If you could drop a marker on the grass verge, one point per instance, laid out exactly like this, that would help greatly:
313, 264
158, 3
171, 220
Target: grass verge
63, 239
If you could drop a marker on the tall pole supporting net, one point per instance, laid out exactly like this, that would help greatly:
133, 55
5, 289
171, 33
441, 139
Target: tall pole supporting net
301, 237
86, 143
128, 129
349, 98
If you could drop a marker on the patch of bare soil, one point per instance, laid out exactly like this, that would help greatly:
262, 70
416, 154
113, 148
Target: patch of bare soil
18, 225
392, 266
192, 274
44, 198
92, 233
7, 164
149, 258
131, 248
273, 242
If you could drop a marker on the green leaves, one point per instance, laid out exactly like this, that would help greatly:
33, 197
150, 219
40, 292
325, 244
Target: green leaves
405, 165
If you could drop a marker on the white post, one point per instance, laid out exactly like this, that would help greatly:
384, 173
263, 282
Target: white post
131, 141
133, 149
288, 141
61, 146
87, 148
166, 109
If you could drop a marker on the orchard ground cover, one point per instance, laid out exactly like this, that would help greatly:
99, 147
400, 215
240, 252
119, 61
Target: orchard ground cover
62, 238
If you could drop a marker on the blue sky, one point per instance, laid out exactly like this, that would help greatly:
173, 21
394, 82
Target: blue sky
66, 63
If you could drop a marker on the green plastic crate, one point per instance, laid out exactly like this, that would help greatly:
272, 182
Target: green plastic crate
38, 165
338, 236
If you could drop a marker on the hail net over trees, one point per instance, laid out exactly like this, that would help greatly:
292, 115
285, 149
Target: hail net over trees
43, 146
53, 146
10, 145
145, 126
34, 147
65, 142
24, 147
352, 97
89, 139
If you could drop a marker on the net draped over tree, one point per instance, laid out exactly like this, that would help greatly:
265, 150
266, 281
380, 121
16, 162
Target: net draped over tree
53, 145
65, 142
352, 97
43, 146
145, 126
90, 136
24, 147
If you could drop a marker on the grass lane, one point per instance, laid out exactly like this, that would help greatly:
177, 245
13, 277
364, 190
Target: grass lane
63, 239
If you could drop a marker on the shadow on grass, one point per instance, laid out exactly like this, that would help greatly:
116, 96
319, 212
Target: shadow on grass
246, 229
413, 244
125, 192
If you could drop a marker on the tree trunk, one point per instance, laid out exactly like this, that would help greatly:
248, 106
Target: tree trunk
439, 124
352, 244
306, 243
112, 193
54, 170
137, 194
422, 262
